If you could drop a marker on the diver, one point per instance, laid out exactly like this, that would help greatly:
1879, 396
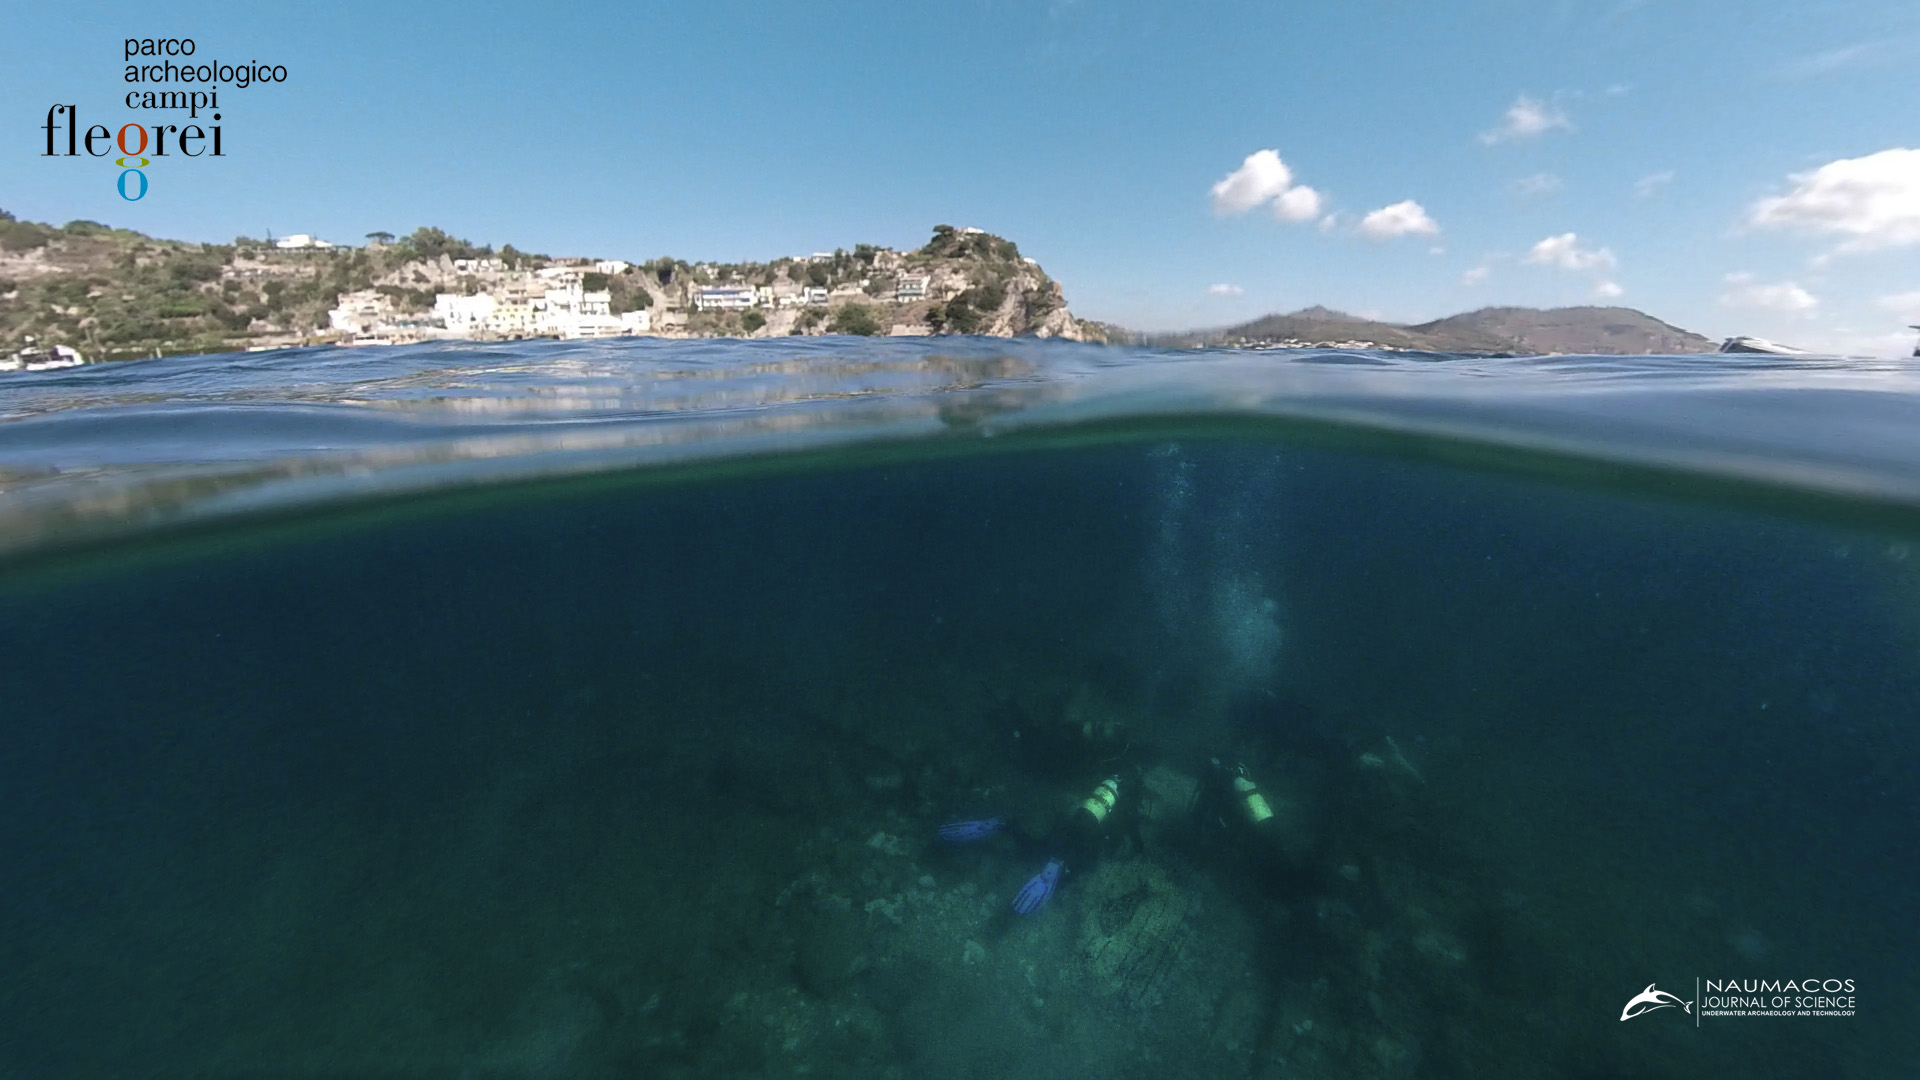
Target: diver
1077, 843
1254, 810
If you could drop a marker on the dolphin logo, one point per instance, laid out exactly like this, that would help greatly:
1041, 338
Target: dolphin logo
1650, 999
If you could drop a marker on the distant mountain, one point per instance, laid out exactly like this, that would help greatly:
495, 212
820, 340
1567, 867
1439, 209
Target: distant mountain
1591, 330
1322, 326
1616, 331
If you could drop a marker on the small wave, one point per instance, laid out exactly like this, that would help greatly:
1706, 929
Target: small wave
113, 447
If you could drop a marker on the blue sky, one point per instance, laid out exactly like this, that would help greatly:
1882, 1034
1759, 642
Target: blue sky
1730, 167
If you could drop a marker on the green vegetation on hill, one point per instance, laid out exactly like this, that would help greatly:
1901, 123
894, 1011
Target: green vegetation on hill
24, 235
120, 292
994, 266
116, 294
857, 319
431, 243
951, 243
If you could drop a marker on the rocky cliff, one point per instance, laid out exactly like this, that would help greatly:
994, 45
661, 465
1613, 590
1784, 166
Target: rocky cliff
963, 281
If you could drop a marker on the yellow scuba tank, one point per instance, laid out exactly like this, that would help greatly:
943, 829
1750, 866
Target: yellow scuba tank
1255, 804
1284, 818
1100, 803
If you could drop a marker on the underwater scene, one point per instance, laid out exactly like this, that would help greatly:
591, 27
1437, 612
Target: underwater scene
989, 710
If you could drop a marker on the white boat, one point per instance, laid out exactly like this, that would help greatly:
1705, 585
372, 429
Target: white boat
33, 358
1762, 346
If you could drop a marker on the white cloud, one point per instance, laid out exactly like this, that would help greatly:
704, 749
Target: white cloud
1476, 275
1403, 218
1744, 292
1297, 203
1537, 184
1263, 177
1564, 251
1527, 118
1224, 290
1607, 290
1872, 201
1906, 304
1260, 177
1649, 185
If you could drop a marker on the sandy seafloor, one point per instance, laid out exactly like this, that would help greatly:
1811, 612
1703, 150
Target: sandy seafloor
645, 784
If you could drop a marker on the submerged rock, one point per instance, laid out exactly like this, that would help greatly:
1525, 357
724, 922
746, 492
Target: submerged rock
1135, 930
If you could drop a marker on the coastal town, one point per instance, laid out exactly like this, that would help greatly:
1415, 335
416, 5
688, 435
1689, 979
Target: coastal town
114, 294
869, 290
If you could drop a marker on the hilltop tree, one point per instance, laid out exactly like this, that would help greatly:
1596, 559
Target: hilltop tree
625, 297
662, 268
24, 235
431, 243
382, 238
515, 259
950, 243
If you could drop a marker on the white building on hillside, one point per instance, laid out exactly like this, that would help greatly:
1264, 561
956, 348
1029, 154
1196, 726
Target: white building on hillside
572, 313
575, 300
464, 315
590, 326
359, 312
512, 319
300, 242
724, 298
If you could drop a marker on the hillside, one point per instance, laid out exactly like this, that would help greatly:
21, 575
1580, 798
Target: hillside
1588, 330
1591, 330
116, 294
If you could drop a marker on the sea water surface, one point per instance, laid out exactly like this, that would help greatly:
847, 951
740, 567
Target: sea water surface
594, 710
